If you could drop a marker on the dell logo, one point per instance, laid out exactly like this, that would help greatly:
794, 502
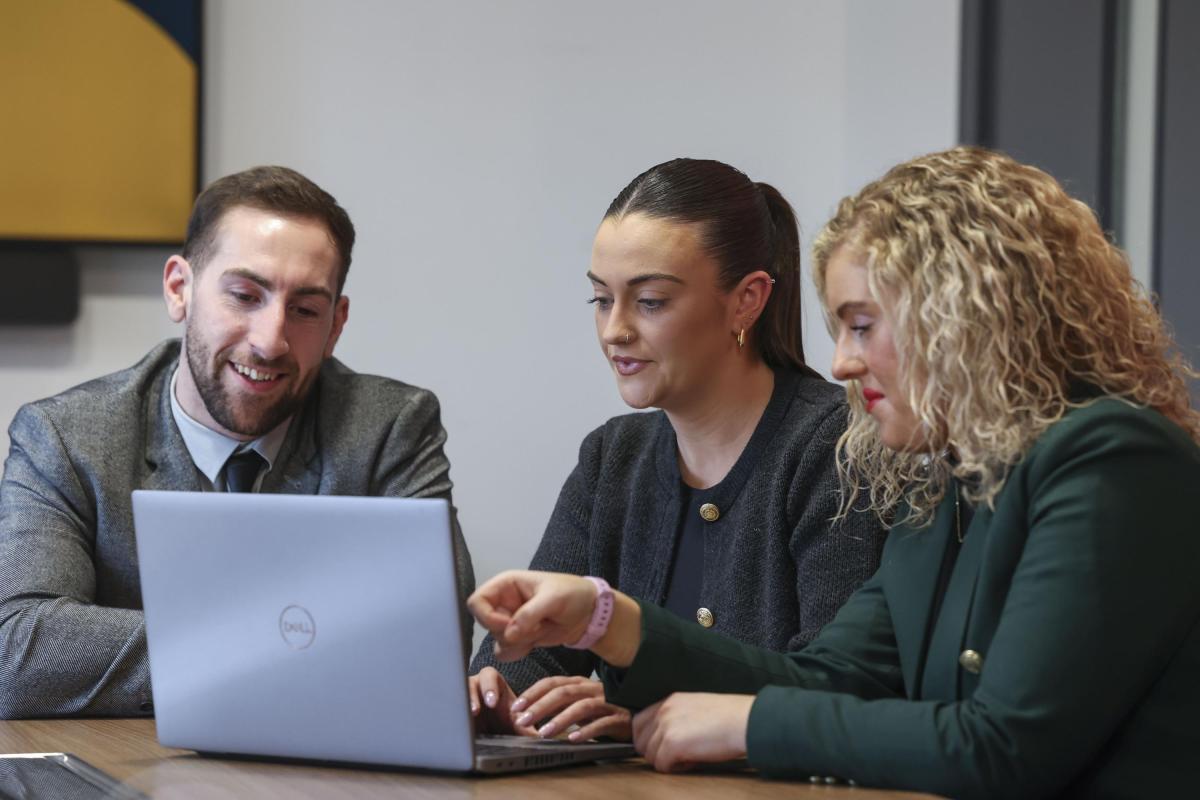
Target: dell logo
297, 628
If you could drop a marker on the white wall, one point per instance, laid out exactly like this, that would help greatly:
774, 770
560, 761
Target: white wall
476, 146
121, 315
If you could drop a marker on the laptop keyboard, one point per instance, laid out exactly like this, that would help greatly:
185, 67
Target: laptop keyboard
504, 745
510, 753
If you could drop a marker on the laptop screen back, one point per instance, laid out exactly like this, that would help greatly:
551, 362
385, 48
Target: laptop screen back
304, 627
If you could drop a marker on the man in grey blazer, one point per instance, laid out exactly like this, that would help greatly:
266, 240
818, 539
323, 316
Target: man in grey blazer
251, 400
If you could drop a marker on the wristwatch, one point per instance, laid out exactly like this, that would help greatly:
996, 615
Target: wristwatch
601, 615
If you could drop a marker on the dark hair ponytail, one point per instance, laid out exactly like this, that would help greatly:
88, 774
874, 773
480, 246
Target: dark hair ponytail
781, 334
744, 227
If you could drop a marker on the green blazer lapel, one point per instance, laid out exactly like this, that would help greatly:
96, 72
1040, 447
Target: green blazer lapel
170, 464
912, 560
943, 671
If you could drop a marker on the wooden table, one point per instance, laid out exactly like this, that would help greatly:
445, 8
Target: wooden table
128, 750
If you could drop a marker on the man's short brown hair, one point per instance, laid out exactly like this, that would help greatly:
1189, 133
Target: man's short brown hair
277, 189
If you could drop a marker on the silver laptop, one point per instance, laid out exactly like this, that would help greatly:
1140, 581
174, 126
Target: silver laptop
315, 627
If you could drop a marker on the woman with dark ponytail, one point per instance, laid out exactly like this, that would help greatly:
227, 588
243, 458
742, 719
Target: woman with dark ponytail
719, 505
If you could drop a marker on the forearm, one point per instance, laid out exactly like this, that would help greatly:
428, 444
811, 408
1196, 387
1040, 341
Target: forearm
60, 657
619, 645
714, 662
956, 749
855, 654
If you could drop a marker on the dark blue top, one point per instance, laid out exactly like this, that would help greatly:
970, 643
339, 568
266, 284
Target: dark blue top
687, 573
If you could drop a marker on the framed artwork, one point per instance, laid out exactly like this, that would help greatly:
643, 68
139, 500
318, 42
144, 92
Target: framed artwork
99, 120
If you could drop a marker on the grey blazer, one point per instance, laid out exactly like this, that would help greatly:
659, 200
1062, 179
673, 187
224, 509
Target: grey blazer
72, 640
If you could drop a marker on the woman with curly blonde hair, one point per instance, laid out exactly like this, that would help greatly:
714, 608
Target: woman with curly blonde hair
1008, 308
1034, 629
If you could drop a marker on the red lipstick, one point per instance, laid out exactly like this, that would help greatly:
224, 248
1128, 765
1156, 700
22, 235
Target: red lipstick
872, 397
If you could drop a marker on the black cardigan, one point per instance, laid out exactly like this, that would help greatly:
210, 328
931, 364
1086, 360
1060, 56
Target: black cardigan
775, 568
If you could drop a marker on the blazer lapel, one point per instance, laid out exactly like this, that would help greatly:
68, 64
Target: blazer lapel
942, 670
915, 557
298, 466
167, 458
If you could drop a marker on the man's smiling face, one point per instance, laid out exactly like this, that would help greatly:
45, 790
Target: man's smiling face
262, 314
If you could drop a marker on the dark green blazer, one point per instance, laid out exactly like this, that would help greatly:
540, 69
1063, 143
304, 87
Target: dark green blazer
1079, 595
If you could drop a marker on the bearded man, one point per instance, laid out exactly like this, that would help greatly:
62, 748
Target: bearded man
251, 400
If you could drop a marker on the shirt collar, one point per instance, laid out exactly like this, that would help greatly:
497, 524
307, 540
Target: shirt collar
210, 450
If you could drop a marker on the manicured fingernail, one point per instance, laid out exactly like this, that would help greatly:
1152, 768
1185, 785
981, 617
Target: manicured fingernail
490, 699
474, 707
519, 703
573, 736
546, 731
525, 718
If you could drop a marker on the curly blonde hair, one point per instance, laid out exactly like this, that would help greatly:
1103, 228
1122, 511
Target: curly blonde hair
1006, 299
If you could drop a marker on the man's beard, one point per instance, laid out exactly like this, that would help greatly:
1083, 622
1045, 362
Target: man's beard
240, 418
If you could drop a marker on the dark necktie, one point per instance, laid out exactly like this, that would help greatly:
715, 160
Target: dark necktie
241, 471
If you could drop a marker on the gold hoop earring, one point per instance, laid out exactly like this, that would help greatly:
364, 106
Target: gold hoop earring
741, 338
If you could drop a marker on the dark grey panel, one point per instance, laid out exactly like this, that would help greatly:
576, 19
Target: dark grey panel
41, 284
1037, 83
1177, 273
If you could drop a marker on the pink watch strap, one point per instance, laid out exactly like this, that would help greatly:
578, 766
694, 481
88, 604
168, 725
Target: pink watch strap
601, 615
